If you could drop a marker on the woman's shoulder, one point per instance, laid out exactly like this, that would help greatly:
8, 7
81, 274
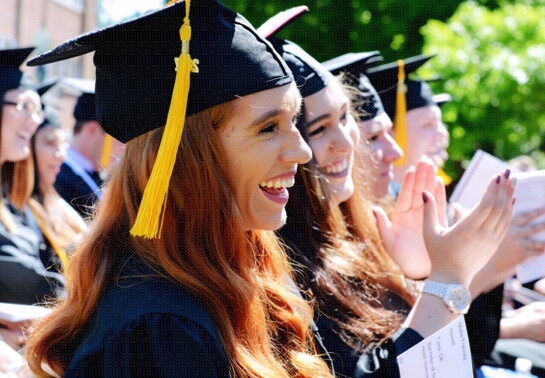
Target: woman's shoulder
158, 327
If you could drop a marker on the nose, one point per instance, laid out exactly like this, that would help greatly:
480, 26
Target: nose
391, 150
442, 130
341, 141
296, 150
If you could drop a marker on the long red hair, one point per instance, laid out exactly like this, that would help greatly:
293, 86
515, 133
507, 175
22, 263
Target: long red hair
240, 276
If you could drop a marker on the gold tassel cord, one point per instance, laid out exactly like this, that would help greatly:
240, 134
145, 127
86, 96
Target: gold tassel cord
149, 220
106, 151
400, 121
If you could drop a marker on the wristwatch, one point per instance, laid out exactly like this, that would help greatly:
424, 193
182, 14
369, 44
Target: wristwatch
456, 297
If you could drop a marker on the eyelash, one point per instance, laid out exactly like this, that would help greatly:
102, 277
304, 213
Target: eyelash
269, 128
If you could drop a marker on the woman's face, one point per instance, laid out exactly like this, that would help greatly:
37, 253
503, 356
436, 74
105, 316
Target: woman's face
332, 136
21, 115
263, 148
380, 152
50, 149
426, 136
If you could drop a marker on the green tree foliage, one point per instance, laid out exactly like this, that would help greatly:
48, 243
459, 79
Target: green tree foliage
493, 63
334, 27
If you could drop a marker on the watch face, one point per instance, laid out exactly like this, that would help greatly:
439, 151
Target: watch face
459, 298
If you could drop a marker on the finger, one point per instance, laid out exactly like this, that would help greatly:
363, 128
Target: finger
480, 212
441, 199
534, 228
405, 196
533, 247
504, 205
521, 219
383, 223
430, 215
424, 170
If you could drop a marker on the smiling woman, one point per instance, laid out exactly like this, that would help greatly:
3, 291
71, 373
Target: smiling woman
205, 293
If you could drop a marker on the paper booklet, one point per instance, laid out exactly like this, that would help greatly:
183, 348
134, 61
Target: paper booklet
445, 354
14, 313
530, 194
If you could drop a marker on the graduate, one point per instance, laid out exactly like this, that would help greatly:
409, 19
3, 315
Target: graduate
181, 274
79, 181
26, 276
343, 273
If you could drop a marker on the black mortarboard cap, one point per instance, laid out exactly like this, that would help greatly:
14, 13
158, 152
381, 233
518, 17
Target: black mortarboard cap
385, 77
354, 66
309, 74
11, 60
85, 108
156, 69
135, 67
353, 63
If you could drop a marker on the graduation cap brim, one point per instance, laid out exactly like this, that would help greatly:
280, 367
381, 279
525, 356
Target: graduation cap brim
282, 19
11, 76
43, 88
353, 63
15, 57
385, 75
88, 42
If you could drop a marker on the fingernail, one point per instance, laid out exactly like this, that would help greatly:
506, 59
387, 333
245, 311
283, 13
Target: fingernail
425, 197
514, 181
507, 173
498, 178
513, 201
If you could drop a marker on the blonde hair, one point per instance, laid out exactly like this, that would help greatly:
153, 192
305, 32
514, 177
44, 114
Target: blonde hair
238, 275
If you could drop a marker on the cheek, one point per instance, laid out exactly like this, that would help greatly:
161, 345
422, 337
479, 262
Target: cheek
319, 150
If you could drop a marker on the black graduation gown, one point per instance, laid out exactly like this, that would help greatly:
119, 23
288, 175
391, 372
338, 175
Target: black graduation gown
149, 327
24, 257
76, 190
379, 361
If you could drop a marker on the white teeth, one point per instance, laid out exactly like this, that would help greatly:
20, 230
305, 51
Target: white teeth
277, 184
336, 168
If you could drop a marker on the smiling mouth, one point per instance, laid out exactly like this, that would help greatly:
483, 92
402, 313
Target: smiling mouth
277, 187
339, 169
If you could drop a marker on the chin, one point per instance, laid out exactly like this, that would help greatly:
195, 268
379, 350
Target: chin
268, 222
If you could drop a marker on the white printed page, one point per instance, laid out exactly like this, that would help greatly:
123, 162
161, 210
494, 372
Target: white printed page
530, 194
481, 169
445, 354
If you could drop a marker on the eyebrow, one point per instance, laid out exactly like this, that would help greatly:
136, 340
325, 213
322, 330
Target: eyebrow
262, 118
318, 119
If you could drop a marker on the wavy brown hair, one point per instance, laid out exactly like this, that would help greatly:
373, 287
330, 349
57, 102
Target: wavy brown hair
345, 267
239, 275
16, 182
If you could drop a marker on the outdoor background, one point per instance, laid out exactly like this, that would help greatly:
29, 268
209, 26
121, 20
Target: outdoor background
489, 54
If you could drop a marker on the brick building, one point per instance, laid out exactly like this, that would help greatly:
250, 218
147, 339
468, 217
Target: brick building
45, 24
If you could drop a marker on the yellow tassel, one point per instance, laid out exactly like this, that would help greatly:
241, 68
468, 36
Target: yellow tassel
149, 221
400, 121
106, 151
446, 178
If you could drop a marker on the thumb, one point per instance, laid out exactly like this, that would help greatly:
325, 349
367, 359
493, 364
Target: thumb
431, 221
383, 223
